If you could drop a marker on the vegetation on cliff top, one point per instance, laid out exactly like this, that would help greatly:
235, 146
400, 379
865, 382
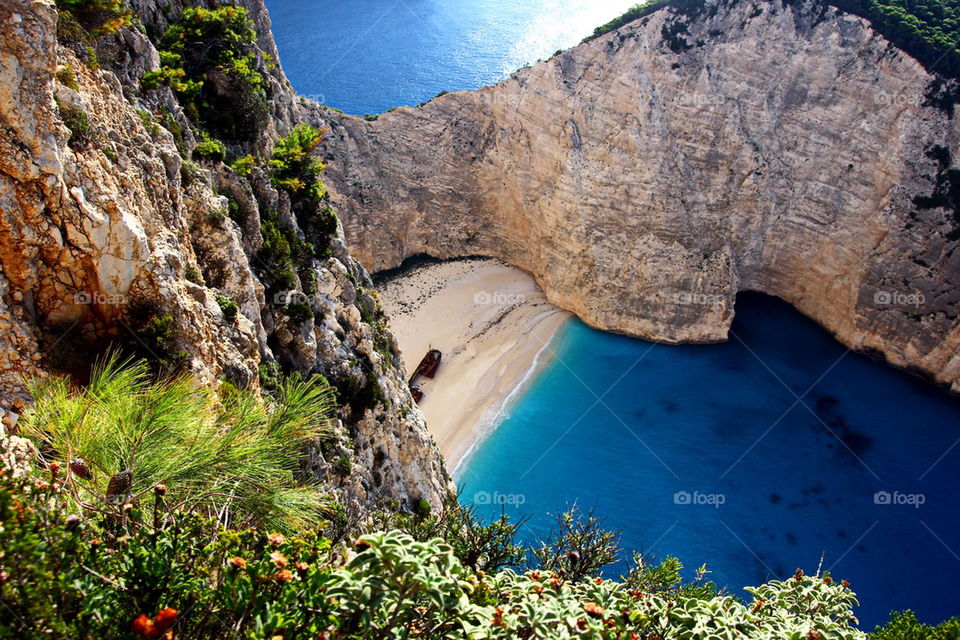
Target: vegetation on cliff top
928, 30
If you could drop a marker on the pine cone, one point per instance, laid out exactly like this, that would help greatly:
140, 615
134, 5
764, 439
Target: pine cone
80, 469
119, 486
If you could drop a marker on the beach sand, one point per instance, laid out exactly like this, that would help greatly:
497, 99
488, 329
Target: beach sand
492, 324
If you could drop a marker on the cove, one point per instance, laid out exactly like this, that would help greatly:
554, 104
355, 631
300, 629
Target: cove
706, 453
679, 429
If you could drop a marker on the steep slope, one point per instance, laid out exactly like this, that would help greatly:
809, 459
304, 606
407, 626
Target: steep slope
647, 176
110, 235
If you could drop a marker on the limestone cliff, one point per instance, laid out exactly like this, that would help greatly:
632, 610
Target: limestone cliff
108, 234
647, 176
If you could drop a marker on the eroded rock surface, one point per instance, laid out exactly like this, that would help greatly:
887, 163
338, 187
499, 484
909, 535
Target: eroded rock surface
100, 233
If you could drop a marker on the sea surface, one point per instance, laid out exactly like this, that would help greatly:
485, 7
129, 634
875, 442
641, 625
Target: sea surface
759, 456
365, 56
777, 450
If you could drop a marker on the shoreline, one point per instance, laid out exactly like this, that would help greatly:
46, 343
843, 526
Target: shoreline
497, 412
493, 326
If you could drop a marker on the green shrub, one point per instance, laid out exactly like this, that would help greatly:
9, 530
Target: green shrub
270, 376
342, 465
228, 307
190, 172
146, 119
98, 17
905, 626
210, 59
171, 125
631, 14
210, 148
282, 255
75, 119
298, 312
293, 168
243, 166
68, 77
155, 338
578, 548
192, 273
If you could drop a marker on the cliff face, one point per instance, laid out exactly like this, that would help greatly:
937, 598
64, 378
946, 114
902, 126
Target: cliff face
102, 236
646, 177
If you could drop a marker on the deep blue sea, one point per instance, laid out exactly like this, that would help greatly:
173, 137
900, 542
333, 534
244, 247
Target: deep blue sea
365, 56
756, 456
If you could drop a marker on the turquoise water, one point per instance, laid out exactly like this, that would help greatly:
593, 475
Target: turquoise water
721, 423
366, 56
704, 452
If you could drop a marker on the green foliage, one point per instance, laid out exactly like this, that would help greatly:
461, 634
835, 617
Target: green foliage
231, 458
631, 14
282, 259
478, 546
578, 548
98, 17
271, 378
171, 125
192, 273
111, 154
298, 312
155, 338
665, 577
342, 465
70, 580
68, 77
228, 307
243, 166
294, 169
210, 59
146, 118
210, 148
929, 30
173, 77
905, 626
75, 119
190, 172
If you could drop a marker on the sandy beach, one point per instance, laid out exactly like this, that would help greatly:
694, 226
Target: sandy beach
492, 324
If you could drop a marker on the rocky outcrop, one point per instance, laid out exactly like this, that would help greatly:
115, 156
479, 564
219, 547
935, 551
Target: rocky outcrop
110, 235
646, 177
